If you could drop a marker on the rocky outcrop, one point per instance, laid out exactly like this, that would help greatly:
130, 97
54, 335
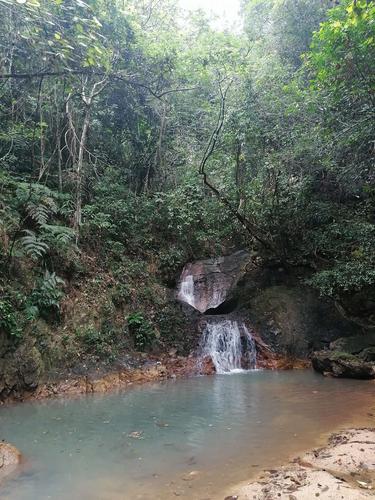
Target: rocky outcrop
352, 357
20, 371
206, 284
342, 365
293, 320
344, 469
164, 367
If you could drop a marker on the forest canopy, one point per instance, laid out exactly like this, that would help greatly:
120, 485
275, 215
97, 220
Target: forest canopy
131, 132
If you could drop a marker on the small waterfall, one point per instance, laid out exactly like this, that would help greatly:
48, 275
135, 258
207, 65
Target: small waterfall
186, 291
230, 346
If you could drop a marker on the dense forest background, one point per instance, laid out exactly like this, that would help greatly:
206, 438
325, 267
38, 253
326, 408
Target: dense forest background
135, 138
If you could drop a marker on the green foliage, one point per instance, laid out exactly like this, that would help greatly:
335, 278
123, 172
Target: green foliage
121, 294
102, 343
106, 124
46, 296
32, 245
9, 319
41, 213
141, 331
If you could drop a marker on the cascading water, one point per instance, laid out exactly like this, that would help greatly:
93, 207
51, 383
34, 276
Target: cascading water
186, 292
229, 344
206, 286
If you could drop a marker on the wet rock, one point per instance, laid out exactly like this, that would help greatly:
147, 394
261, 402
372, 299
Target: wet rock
207, 284
368, 354
9, 455
342, 364
351, 357
21, 371
293, 320
355, 344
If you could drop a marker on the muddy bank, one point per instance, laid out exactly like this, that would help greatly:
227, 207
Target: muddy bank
150, 369
343, 469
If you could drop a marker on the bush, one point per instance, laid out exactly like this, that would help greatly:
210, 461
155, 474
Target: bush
8, 319
141, 331
121, 294
45, 298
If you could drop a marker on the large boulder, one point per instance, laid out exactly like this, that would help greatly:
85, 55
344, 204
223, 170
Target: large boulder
343, 365
351, 357
206, 284
354, 345
293, 320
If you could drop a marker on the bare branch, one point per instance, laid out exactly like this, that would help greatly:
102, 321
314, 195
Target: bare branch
251, 228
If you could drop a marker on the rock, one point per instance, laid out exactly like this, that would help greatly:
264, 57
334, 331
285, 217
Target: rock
341, 364
21, 371
9, 455
368, 354
293, 320
355, 344
349, 452
207, 284
300, 483
341, 470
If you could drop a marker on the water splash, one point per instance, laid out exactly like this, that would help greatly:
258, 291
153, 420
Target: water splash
230, 345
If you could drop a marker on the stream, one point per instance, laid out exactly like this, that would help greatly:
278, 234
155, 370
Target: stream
185, 438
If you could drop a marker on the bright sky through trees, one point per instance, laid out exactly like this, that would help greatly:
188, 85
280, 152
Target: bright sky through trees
226, 9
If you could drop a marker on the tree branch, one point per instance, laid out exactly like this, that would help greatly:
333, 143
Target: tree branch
251, 228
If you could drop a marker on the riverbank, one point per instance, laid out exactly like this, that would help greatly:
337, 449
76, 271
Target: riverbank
145, 369
343, 469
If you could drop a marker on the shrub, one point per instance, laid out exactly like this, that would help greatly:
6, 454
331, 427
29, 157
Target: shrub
8, 321
141, 330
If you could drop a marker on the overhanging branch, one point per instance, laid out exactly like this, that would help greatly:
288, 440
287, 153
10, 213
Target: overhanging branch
251, 228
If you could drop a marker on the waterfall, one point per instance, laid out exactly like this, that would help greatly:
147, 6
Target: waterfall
186, 292
229, 344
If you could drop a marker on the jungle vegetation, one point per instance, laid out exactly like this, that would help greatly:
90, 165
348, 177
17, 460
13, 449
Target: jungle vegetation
135, 138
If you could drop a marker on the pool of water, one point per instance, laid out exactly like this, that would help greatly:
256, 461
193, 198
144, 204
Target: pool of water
186, 438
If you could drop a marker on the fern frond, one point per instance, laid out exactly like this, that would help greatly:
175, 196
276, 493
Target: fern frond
62, 234
33, 246
41, 212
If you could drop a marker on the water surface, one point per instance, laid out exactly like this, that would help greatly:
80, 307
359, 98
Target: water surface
187, 438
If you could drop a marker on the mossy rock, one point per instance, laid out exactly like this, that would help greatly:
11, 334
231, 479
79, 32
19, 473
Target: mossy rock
22, 371
354, 345
343, 365
368, 354
294, 320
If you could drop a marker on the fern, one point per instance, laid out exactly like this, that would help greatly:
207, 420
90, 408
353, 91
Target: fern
50, 291
40, 212
60, 234
45, 298
33, 246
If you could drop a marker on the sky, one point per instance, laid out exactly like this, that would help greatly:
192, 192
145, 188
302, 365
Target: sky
226, 9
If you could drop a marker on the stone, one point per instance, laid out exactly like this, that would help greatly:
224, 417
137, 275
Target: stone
9, 455
355, 344
207, 284
21, 371
294, 321
341, 364
350, 452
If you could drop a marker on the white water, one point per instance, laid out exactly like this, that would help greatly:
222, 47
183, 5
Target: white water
186, 292
229, 344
